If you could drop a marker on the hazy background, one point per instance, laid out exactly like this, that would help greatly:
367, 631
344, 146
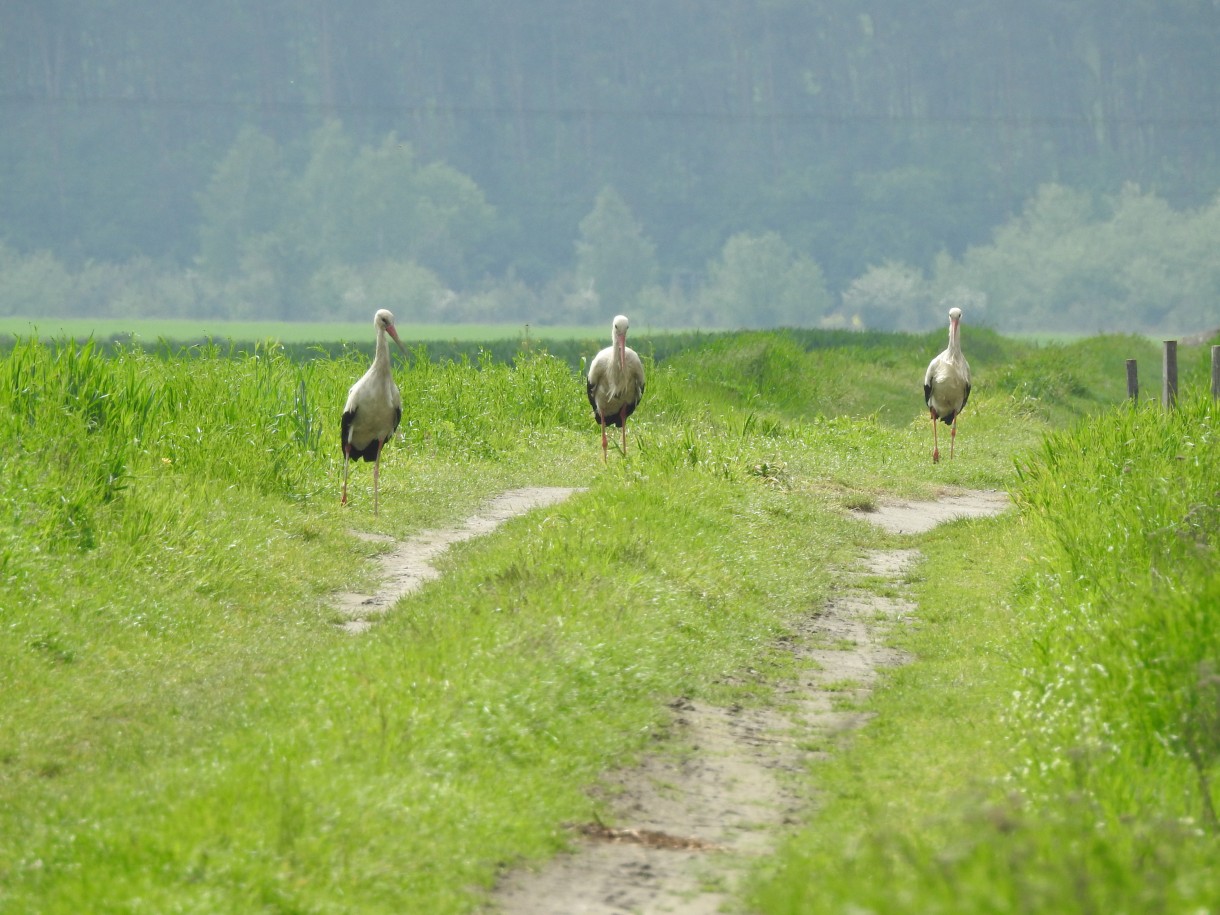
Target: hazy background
1047, 165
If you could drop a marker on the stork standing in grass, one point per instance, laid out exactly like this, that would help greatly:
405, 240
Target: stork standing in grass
616, 383
373, 409
946, 384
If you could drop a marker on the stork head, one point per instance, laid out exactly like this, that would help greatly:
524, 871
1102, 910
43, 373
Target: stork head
384, 321
955, 314
620, 338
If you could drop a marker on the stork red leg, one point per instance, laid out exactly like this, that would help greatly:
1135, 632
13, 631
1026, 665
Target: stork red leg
952, 437
935, 444
377, 477
623, 417
347, 460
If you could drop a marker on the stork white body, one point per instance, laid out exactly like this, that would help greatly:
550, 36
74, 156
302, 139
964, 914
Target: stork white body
616, 382
946, 384
373, 408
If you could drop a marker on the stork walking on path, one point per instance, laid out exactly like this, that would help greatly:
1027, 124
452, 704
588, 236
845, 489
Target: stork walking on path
616, 383
373, 409
946, 384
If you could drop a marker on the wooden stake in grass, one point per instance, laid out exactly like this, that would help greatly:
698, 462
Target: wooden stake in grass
1169, 387
1133, 380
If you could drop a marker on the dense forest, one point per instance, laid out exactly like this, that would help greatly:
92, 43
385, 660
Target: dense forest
754, 162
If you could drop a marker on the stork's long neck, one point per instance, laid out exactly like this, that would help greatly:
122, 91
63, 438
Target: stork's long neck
381, 358
955, 340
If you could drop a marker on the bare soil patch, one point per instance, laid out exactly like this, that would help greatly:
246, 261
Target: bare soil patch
684, 824
917, 517
409, 566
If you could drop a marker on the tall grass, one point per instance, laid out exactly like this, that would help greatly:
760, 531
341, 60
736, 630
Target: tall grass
1072, 727
1128, 634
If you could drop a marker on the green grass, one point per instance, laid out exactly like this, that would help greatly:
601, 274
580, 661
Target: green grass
1056, 745
150, 330
184, 729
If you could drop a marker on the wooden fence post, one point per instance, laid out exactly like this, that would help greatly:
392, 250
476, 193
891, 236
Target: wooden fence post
1169, 387
1133, 380
1216, 373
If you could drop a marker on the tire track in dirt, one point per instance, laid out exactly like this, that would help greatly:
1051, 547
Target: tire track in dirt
684, 825
409, 565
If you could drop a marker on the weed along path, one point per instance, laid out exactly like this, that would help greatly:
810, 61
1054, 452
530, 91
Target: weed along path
684, 823
409, 565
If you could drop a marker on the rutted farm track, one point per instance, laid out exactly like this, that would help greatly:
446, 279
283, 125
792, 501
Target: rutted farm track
684, 823
409, 565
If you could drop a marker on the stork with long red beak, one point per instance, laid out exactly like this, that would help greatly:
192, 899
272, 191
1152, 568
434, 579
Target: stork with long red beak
373, 409
616, 383
946, 384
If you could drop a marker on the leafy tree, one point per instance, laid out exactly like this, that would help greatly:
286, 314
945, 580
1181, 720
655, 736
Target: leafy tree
1127, 263
338, 292
411, 291
37, 284
318, 222
613, 257
297, 237
902, 216
453, 223
1037, 259
431, 213
860, 136
260, 289
972, 302
244, 200
1195, 265
342, 292
760, 282
384, 213
893, 296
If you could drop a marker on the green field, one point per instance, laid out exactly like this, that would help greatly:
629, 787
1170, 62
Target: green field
150, 330
183, 727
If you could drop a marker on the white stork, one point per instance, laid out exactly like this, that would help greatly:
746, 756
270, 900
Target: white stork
946, 384
373, 408
616, 382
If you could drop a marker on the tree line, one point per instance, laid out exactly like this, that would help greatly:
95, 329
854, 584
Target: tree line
747, 164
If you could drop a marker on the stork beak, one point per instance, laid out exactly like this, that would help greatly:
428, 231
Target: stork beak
620, 344
389, 329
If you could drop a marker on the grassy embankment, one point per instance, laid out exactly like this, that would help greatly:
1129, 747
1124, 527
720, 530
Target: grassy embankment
183, 728
1056, 747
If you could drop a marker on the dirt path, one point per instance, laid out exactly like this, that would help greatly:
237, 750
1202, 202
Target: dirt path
684, 825
917, 517
409, 565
